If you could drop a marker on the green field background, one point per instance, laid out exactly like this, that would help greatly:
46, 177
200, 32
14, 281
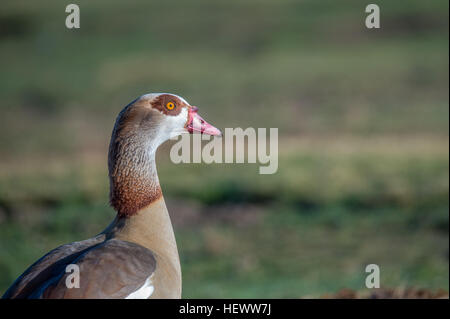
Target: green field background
363, 118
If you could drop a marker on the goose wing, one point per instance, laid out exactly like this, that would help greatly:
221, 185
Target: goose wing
108, 269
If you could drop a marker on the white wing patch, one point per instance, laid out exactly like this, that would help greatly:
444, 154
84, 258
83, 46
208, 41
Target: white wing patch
144, 292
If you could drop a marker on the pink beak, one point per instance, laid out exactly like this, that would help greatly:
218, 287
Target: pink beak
196, 123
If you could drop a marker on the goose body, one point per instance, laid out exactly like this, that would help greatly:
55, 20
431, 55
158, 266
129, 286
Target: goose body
135, 256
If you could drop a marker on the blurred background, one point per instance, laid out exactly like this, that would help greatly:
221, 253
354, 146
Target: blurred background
363, 118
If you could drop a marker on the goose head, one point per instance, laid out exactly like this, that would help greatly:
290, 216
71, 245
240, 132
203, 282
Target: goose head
140, 128
157, 117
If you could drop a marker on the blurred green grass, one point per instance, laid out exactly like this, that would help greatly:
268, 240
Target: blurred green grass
363, 118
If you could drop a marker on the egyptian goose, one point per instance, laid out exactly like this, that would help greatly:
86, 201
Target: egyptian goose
136, 256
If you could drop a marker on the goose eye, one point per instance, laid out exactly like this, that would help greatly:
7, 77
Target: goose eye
170, 105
